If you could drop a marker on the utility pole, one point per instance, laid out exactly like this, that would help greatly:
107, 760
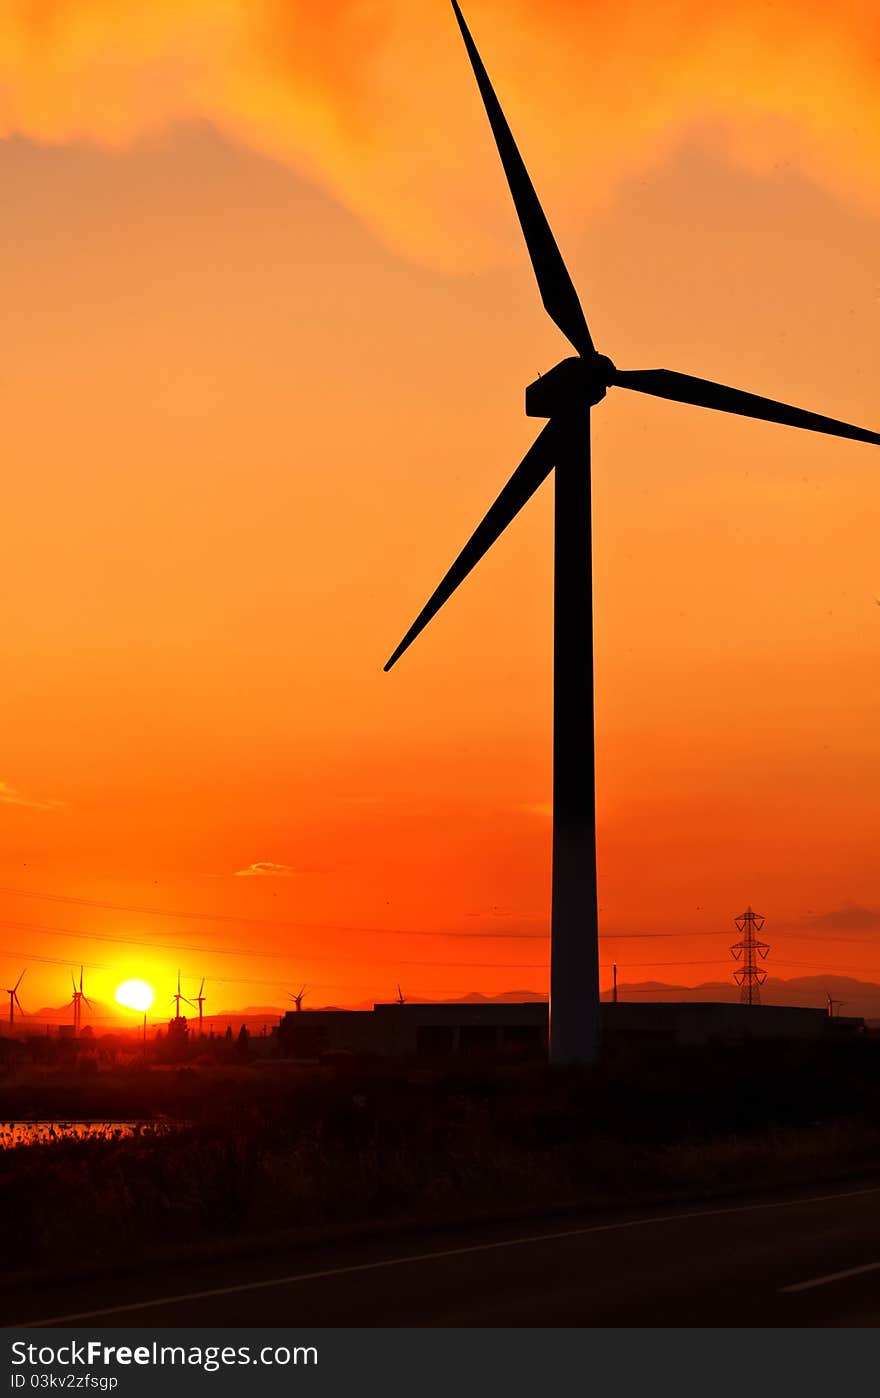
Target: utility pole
614, 987
749, 950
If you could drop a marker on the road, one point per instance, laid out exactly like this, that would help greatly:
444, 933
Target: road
810, 1259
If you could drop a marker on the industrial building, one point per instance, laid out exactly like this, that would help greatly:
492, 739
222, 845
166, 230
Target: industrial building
440, 1030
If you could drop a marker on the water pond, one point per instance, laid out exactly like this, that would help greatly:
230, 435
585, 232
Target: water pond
15, 1134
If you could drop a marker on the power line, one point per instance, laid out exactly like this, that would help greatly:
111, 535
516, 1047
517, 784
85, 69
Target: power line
45, 929
49, 930
320, 926
54, 960
817, 966
234, 919
264, 921
163, 946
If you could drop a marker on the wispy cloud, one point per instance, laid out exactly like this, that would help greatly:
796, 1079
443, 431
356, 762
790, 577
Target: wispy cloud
10, 796
325, 85
265, 869
850, 918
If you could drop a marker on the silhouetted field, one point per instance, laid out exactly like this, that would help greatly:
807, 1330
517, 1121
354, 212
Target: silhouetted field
271, 1150
181, 1093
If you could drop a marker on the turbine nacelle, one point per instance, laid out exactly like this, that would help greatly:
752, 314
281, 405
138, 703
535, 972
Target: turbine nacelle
577, 382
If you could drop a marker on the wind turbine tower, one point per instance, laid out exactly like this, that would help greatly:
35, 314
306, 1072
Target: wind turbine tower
79, 996
12, 992
177, 997
200, 1001
565, 397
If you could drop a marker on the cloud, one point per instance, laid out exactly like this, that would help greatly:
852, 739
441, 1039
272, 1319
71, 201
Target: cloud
9, 796
265, 869
849, 918
373, 99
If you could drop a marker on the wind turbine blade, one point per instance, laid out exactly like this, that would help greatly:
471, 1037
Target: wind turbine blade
87, 1001
19, 981
703, 393
554, 283
531, 472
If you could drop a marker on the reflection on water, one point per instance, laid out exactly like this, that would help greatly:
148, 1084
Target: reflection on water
46, 1133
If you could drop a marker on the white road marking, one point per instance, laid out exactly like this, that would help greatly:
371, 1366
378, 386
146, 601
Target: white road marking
832, 1277
415, 1258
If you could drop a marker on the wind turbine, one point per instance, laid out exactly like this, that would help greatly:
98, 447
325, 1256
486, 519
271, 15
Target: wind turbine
12, 992
400, 997
177, 997
78, 997
298, 999
200, 1000
566, 397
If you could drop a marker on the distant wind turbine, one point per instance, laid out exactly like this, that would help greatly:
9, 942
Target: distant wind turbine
200, 1001
177, 997
79, 997
12, 992
298, 999
566, 396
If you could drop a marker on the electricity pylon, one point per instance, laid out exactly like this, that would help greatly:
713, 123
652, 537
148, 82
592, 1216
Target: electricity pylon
750, 976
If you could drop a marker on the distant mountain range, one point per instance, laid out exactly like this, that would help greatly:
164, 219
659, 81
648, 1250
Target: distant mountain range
107, 1017
852, 997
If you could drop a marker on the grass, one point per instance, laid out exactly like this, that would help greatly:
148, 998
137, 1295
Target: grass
260, 1154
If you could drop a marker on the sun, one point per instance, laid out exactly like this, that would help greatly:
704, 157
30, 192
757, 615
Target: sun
135, 995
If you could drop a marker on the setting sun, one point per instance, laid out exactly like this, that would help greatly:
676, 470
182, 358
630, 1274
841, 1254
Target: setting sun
135, 995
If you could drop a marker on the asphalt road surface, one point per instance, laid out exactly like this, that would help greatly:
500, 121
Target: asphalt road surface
807, 1260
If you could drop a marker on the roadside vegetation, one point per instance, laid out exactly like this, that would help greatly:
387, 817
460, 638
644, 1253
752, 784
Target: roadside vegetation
257, 1153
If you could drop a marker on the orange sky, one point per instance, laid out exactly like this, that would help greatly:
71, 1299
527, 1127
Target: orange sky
267, 325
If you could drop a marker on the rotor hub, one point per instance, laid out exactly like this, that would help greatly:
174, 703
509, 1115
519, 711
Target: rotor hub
570, 386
